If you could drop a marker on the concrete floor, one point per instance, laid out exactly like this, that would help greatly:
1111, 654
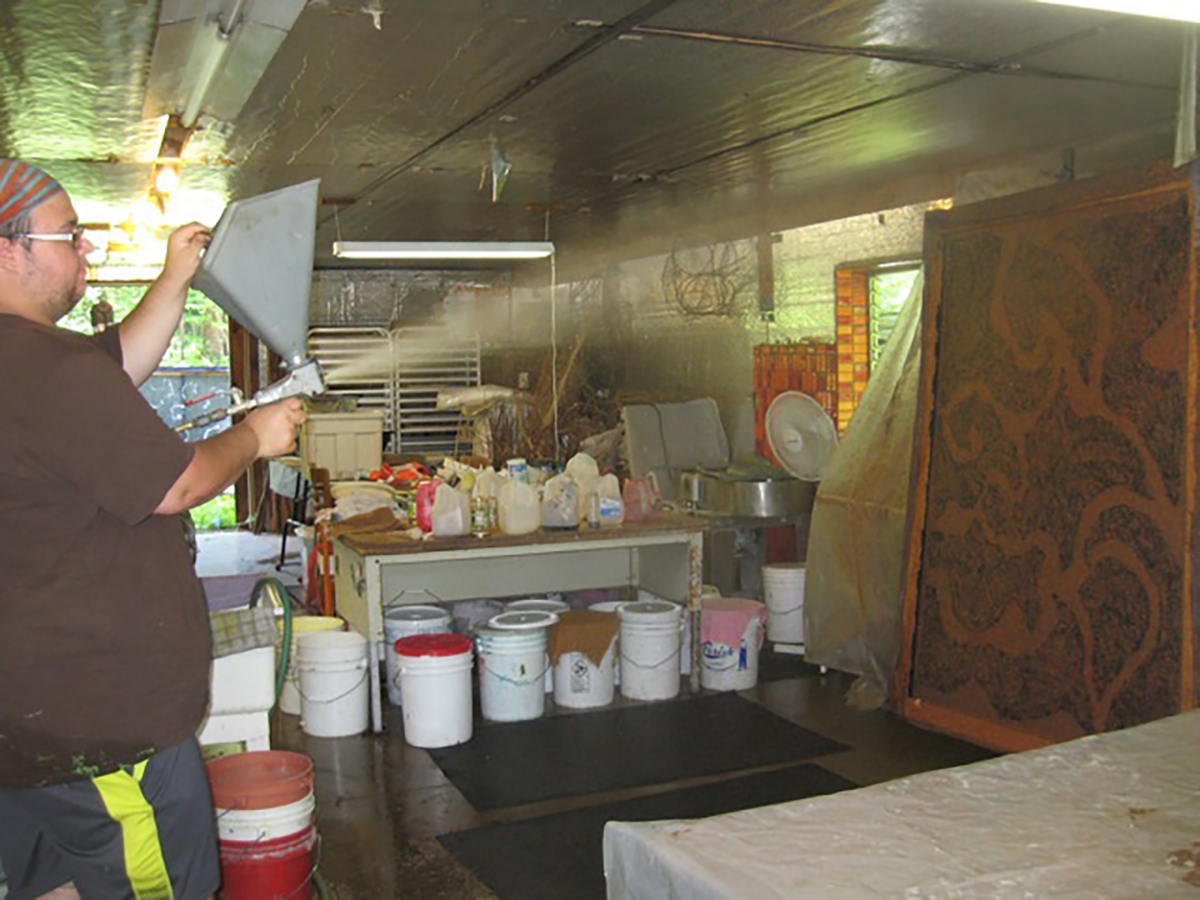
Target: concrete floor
382, 804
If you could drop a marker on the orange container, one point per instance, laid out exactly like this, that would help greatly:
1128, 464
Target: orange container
260, 779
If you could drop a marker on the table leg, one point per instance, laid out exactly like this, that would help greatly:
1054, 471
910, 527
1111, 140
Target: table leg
376, 691
695, 587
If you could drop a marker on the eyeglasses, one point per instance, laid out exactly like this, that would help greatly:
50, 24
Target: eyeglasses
75, 236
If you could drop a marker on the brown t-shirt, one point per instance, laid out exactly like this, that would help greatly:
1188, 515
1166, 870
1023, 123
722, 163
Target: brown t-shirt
104, 634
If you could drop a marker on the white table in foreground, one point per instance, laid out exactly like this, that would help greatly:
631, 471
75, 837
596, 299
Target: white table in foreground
664, 555
1115, 815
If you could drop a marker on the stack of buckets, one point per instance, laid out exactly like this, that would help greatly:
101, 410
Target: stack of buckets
513, 663
289, 697
266, 824
406, 621
333, 671
731, 635
783, 585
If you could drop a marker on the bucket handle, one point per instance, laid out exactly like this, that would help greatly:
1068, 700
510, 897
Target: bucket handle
784, 612
316, 851
347, 693
403, 591
720, 669
656, 665
517, 681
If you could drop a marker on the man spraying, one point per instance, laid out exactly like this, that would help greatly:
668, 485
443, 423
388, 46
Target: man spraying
104, 634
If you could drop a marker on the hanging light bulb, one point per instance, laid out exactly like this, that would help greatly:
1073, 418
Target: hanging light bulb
166, 178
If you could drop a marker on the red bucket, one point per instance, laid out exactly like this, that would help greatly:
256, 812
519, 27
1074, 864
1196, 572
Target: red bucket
279, 869
260, 779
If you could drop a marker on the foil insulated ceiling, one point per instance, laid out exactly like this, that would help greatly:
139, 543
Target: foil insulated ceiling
632, 126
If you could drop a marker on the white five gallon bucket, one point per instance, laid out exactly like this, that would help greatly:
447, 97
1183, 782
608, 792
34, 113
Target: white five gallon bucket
512, 666
289, 696
650, 644
732, 665
334, 691
541, 604
685, 647
252, 826
783, 586
405, 621
435, 673
580, 682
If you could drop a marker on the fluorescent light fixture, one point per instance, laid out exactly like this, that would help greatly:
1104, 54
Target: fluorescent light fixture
443, 250
1180, 10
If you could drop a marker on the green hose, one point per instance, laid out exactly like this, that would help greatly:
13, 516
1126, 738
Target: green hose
281, 599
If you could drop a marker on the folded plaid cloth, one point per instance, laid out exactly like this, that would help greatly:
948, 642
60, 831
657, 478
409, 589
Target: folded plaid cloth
236, 630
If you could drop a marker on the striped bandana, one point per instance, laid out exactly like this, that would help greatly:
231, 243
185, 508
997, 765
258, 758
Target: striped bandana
23, 187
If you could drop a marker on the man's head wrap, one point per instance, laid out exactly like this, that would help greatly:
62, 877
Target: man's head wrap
23, 187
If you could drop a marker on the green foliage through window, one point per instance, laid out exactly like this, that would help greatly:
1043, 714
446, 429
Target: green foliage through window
218, 514
889, 289
200, 342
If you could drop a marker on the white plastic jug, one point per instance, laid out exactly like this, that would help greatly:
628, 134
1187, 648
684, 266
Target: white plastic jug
520, 512
560, 503
451, 512
612, 507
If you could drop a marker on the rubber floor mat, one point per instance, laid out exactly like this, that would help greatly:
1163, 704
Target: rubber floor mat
512, 764
558, 857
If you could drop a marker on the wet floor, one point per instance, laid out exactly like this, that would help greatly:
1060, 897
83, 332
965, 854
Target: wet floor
382, 804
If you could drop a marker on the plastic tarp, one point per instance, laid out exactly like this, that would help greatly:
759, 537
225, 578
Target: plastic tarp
1112, 815
852, 597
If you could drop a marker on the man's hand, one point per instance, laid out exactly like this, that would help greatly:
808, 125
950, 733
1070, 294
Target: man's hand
184, 248
276, 425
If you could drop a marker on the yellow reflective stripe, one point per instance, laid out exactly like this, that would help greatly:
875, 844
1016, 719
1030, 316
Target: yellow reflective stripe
144, 863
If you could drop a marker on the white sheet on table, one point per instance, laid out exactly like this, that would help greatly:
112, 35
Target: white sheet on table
1096, 817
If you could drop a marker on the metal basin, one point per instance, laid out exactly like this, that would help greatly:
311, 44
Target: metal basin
732, 495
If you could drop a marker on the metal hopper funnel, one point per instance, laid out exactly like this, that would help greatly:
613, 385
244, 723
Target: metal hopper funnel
258, 267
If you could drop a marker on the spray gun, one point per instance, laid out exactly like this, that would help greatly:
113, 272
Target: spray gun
258, 268
304, 381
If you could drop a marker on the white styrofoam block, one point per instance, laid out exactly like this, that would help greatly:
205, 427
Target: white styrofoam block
243, 682
252, 729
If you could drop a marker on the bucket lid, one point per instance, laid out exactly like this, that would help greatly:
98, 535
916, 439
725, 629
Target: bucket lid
330, 640
434, 645
650, 611
259, 779
607, 606
523, 620
538, 604
417, 614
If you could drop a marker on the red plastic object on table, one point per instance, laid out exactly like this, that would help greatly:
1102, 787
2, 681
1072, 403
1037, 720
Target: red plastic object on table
425, 494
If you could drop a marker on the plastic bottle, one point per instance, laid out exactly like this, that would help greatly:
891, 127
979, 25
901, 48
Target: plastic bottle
612, 507
426, 494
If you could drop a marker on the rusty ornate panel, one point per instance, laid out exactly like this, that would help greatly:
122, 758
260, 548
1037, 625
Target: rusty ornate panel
1049, 588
